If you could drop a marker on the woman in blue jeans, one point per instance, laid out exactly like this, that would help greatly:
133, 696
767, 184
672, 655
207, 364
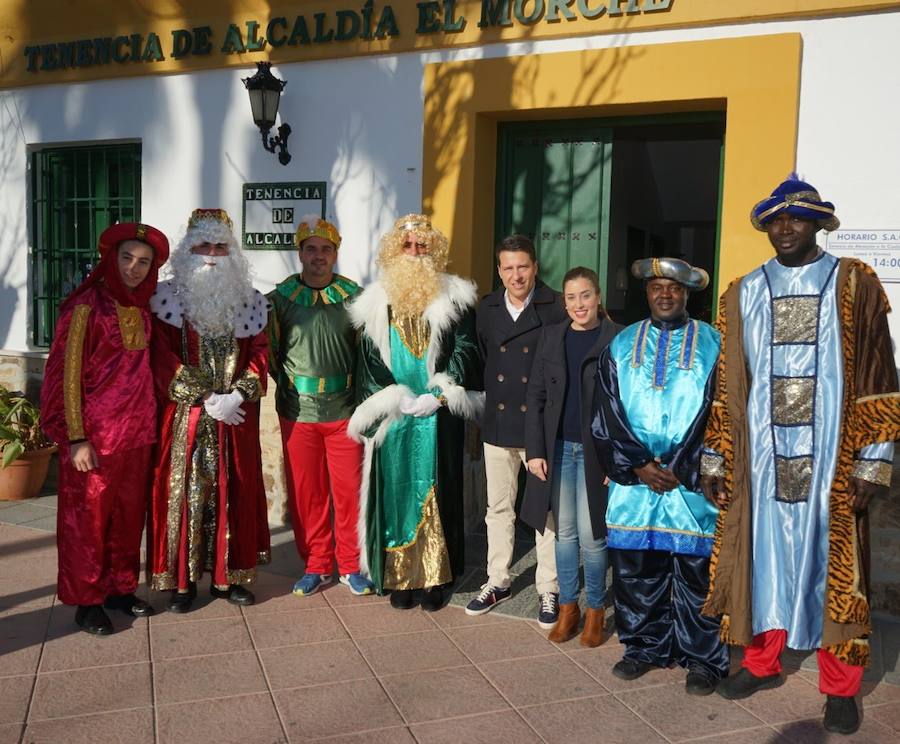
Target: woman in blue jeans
565, 471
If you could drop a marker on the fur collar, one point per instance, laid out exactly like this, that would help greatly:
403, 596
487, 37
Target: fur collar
248, 320
369, 312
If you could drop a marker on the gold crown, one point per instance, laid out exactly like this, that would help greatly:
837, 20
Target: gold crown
219, 215
322, 229
421, 224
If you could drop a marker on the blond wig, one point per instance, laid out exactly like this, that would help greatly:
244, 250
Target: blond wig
419, 226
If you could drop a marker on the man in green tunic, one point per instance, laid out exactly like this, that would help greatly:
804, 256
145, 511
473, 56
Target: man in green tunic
418, 366
313, 351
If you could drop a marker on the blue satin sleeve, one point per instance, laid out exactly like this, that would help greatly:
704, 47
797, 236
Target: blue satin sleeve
621, 450
685, 460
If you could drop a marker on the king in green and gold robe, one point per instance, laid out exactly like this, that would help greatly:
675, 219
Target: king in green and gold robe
412, 502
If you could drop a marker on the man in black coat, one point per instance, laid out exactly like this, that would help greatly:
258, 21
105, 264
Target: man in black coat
508, 322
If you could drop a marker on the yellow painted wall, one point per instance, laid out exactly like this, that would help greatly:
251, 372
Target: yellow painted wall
755, 80
26, 23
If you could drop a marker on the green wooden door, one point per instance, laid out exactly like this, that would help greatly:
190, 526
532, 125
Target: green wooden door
553, 186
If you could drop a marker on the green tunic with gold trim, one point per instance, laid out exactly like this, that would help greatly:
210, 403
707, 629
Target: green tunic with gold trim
312, 346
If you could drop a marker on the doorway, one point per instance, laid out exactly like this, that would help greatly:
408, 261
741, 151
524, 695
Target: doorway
605, 193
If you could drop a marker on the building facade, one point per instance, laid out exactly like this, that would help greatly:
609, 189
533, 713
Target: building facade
609, 130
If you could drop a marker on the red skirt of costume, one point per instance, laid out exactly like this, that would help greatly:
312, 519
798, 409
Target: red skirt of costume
208, 506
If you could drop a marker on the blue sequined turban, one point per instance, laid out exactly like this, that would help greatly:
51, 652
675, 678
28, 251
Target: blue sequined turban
798, 198
670, 268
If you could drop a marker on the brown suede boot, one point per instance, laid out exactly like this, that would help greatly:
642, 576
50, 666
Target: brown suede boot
567, 625
592, 635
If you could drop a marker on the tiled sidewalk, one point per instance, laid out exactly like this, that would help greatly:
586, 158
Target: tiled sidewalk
348, 669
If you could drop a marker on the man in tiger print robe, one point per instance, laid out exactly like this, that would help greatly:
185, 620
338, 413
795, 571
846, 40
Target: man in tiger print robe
807, 393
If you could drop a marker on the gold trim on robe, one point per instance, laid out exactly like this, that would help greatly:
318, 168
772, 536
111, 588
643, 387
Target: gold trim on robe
131, 326
424, 562
250, 386
72, 372
414, 333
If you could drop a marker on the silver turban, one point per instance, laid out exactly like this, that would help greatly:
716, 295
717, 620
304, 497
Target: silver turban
671, 268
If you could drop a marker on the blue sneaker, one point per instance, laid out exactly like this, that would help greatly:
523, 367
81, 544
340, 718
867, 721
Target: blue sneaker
358, 584
488, 599
310, 583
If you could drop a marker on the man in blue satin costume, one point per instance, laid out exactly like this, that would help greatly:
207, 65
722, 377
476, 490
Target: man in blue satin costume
656, 382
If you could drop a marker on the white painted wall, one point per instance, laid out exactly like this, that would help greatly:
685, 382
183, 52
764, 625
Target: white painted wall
357, 124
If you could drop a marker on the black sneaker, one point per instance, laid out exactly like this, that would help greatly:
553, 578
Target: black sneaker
743, 684
488, 599
841, 715
548, 613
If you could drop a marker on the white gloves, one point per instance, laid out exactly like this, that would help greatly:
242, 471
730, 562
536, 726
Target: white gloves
422, 405
226, 407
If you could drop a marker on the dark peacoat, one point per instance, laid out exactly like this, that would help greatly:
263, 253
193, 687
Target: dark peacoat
546, 402
508, 350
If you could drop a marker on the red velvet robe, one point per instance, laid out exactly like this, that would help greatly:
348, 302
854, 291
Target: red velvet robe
208, 508
98, 387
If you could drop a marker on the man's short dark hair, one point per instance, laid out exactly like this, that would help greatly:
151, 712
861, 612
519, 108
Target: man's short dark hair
514, 244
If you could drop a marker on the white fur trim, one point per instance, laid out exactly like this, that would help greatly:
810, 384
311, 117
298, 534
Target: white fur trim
442, 313
361, 522
249, 317
381, 408
369, 311
461, 402
166, 305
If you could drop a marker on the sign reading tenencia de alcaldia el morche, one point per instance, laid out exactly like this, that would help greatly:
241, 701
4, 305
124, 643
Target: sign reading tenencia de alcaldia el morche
370, 20
272, 212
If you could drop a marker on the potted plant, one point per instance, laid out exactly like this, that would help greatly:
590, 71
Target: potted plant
25, 451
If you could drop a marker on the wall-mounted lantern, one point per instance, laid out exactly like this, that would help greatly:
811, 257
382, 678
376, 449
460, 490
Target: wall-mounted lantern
265, 94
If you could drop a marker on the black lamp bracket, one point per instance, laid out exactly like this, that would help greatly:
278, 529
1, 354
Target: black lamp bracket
270, 143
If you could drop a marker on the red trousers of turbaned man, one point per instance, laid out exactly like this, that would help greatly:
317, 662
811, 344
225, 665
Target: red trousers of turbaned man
762, 658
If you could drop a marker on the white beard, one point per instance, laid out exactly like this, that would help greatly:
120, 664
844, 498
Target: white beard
210, 293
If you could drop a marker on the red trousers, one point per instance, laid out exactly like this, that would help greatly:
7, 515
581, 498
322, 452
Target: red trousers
99, 525
763, 658
318, 459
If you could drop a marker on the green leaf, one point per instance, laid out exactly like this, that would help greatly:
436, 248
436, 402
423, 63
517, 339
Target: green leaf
11, 452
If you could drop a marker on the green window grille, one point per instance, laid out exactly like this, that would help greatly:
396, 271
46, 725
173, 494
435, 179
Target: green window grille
77, 193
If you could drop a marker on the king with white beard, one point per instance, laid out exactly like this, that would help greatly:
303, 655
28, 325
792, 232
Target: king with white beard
209, 356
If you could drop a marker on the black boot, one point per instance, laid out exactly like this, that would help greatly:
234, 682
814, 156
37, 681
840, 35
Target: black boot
401, 599
181, 602
432, 598
630, 669
92, 619
129, 604
841, 715
698, 682
235, 593
743, 684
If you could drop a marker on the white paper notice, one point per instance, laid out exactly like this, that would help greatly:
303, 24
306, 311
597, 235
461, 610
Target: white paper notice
878, 248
